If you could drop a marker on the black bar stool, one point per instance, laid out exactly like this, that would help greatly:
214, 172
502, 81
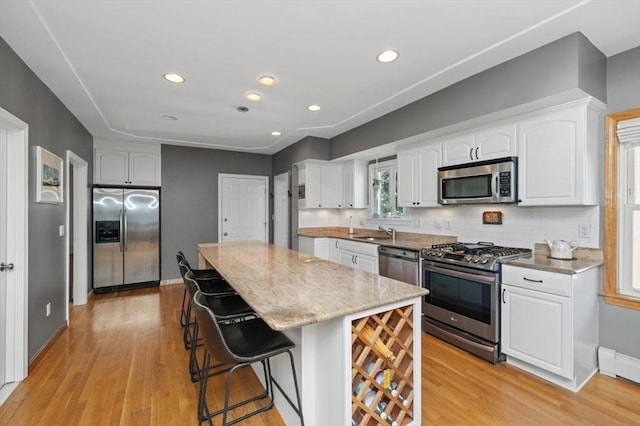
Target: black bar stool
215, 287
228, 307
199, 274
241, 344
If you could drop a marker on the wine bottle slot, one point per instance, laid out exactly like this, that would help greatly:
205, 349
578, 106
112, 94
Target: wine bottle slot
367, 334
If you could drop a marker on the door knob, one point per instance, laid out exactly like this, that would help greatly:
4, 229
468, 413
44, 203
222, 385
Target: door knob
4, 266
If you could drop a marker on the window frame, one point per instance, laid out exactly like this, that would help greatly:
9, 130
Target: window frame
391, 164
611, 293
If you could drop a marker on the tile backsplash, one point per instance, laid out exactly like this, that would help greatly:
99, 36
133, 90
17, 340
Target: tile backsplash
521, 226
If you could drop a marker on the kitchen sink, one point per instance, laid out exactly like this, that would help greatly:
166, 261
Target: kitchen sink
372, 238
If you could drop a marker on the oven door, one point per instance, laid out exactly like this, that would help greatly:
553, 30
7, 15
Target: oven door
463, 298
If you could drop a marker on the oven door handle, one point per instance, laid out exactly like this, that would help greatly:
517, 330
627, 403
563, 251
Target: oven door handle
463, 275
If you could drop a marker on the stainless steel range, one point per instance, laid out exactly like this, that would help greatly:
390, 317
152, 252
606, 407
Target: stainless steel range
462, 306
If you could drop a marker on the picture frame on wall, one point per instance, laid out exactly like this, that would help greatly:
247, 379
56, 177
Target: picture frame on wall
49, 175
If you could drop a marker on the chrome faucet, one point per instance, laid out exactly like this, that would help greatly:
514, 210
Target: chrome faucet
391, 231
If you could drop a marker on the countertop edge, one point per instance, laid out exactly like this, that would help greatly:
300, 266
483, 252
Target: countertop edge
542, 264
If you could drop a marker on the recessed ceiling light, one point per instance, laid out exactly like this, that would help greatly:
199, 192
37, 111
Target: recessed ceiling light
276, 133
170, 117
387, 56
314, 108
267, 80
253, 96
174, 78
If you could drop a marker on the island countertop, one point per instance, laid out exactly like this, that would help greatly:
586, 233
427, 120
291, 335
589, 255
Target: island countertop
290, 289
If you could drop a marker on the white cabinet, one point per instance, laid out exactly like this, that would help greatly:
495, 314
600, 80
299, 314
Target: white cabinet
354, 178
558, 149
318, 247
117, 164
550, 323
360, 256
484, 144
418, 175
332, 185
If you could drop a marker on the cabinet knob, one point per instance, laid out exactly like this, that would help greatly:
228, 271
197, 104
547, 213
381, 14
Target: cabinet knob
319, 205
225, 234
418, 203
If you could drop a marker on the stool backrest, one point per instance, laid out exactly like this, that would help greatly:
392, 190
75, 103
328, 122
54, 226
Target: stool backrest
180, 256
184, 268
210, 331
191, 284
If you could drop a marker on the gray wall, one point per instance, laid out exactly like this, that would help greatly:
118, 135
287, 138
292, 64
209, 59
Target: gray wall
620, 327
308, 148
189, 206
569, 63
53, 127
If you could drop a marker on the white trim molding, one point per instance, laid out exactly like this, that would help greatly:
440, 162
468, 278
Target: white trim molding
612, 363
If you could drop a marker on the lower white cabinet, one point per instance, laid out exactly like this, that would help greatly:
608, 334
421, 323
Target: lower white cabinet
550, 323
318, 247
360, 256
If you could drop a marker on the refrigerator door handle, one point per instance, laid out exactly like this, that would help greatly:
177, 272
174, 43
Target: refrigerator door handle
121, 230
124, 229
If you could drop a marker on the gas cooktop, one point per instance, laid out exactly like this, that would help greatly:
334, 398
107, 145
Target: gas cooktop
480, 255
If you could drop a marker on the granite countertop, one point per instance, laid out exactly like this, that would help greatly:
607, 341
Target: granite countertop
406, 240
289, 289
584, 258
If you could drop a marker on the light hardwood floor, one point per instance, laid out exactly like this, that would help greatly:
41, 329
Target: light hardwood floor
122, 362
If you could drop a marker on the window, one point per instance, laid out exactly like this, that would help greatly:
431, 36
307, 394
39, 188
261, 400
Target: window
622, 209
383, 190
629, 210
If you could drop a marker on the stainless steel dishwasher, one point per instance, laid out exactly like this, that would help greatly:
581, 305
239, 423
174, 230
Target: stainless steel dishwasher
399, 264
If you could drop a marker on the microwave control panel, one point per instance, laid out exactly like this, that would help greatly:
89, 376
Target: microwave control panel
504, 186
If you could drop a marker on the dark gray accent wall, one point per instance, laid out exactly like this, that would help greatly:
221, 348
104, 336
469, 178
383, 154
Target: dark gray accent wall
52, 126
620, 327
569, 63
190, 198
305, 149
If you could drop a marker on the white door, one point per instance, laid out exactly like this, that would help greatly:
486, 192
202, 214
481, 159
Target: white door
281, 210
14, 148
3, 253
243, 208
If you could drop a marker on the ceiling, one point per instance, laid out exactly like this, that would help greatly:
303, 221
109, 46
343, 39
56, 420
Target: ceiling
105, 59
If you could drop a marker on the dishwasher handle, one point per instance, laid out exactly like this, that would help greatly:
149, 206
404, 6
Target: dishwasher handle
399, 253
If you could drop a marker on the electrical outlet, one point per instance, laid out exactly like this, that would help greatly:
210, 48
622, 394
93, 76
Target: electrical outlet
48, 308
61, 231
584, 231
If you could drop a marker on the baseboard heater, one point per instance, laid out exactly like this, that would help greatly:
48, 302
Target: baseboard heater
612, 363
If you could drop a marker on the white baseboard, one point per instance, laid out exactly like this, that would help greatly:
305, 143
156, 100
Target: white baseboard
171, 282
612, 363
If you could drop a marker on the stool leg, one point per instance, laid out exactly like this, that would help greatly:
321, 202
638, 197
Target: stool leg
203, 410
183, 312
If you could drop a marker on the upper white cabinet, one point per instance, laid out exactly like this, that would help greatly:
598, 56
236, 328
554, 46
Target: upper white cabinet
354, 179
116, 165
485, 144
332, 184
418, 175
558, 156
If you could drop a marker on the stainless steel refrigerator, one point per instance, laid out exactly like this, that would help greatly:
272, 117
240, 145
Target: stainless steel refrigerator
126, 238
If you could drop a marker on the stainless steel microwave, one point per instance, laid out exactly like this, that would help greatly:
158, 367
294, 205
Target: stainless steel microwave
481, 182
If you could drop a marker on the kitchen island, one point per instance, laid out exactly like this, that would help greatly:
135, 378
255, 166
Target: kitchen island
346, 324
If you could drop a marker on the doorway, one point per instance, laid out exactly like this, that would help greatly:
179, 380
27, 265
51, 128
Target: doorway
281, 210
243, 208
76, 224
14, 251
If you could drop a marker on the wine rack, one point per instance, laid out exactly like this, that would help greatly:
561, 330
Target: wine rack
382, 345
